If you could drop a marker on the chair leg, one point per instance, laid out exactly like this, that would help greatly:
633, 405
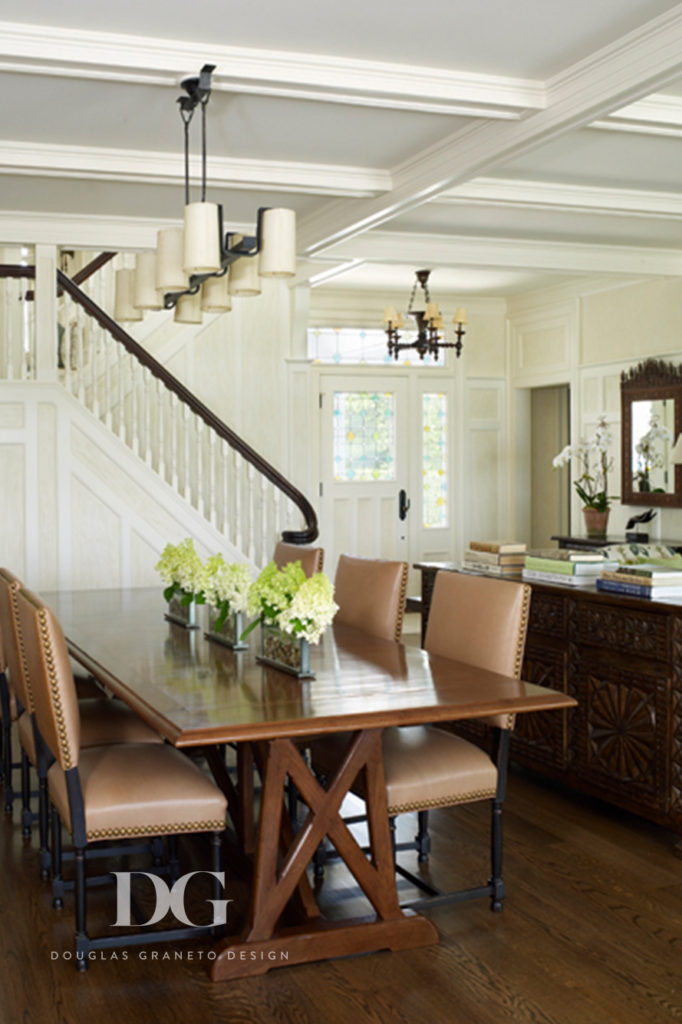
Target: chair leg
57, 880
173, 860
81, 934
422, 839
497, 891
43, 814
216, 865
26, 816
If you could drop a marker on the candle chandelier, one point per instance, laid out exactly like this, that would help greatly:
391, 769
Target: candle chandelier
200, 267
428, 320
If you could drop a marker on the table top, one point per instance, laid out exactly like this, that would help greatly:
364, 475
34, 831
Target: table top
195, 691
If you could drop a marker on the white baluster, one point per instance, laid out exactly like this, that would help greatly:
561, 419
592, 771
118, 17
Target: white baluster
251, 475
173, 427
186, 447
134, 405
121, 367
236, 503
200, 433
80, 355
161, 396
147, 390
212, 469
264, 539
108, 419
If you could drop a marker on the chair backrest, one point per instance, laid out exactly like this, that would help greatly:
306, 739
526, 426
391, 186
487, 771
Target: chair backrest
9, 635
481, 621
46, 658
311, 559
371, 594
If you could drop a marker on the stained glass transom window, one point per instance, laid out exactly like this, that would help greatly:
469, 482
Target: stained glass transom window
358, 346
364, 435
434, 460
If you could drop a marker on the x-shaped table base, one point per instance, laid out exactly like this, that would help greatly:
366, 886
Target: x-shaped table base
282, 858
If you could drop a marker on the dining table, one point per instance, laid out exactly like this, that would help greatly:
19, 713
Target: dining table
201, 694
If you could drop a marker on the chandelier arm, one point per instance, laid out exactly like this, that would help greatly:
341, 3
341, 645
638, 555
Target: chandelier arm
204, 103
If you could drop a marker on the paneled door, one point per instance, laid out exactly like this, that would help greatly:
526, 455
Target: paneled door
384, 468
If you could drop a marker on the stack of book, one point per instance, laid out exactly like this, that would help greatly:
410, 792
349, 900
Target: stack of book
564, 565
496, 557
653, 581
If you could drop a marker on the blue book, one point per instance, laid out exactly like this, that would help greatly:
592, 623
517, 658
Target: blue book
638, 590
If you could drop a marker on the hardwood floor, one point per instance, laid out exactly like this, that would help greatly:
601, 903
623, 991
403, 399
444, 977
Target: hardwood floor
591, 934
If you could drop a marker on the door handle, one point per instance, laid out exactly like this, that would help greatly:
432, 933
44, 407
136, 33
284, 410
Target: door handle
403, 504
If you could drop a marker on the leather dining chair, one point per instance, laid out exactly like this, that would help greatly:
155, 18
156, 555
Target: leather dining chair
370, 593
482, 622
107, 793
104, 720
311, 559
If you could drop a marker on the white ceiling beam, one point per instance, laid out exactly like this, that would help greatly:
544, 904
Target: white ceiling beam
432, 250
39, 49
548, 195
633, 66
657, 114
103, 164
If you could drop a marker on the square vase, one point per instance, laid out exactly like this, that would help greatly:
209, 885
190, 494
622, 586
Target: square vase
286, 652
182, 614
229, 633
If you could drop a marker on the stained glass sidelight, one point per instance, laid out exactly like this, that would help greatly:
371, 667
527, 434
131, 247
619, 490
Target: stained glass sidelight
364, 435
434, 460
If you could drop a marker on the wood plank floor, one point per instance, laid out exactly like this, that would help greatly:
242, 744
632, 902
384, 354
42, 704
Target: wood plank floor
591, 934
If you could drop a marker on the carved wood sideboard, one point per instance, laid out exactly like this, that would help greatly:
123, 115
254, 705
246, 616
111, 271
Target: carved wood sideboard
621, 659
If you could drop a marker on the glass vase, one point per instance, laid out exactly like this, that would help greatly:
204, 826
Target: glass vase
182, 614
230, 632
286, 652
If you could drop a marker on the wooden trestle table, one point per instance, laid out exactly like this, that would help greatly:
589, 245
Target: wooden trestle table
198, 693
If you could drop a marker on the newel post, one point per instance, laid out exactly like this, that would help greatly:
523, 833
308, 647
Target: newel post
46, 312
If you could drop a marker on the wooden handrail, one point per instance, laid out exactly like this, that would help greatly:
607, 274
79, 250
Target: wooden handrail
306, 536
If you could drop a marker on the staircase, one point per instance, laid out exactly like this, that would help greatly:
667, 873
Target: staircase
148, 425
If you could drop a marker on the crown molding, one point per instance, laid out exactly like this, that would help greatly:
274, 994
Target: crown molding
51, 50
632, 67
526, 254
549, 195
103, 164
83, 231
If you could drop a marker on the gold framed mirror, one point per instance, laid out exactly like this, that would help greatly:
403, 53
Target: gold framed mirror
651, 422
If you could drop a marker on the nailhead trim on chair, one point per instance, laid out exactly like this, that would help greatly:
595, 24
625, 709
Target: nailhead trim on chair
164, 830
54, 687
446, 801
403, 598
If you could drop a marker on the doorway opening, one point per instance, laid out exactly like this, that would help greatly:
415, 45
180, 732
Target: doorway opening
550, 503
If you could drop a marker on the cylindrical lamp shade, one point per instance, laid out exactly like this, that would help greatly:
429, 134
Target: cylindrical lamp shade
202, 239
215, 297
188, 309
124, 286
460, 316
170, 273
146, 295
277, 257
243, 274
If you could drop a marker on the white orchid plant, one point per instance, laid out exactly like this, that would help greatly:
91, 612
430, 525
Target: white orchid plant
592, 484
648, 454
286, 598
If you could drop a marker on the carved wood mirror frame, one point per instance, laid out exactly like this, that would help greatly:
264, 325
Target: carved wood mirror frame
649, 381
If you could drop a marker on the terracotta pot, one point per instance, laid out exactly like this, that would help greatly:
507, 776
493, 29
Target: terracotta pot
596, 522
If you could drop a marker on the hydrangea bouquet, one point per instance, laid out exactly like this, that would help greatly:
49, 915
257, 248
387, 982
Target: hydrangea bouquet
183, 572
226, 588
286, 598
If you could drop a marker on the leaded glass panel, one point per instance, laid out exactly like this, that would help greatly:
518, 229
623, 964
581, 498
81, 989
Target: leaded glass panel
434, 460
364, 435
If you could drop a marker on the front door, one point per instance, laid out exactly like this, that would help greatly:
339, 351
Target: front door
385, 468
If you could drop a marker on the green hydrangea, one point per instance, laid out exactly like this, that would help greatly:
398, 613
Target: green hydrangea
183, 571
287, 598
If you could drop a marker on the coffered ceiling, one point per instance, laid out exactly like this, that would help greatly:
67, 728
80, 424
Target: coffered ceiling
504, 145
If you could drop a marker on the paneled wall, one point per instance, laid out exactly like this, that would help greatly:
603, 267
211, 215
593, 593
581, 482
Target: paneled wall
78, 509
